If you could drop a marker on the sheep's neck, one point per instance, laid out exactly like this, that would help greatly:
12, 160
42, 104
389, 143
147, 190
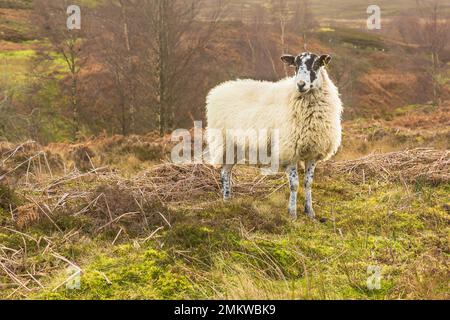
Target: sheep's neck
316, 98
307, 110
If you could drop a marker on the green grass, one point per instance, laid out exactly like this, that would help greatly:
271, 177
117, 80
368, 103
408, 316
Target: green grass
16, 4
249, 249
400, 111
20, 54
351, 37
15, 64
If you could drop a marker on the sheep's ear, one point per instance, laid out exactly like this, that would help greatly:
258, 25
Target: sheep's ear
324, 60
288, 59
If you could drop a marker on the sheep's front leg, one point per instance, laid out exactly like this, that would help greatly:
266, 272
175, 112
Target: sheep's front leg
226, 182
309, 176
292, 175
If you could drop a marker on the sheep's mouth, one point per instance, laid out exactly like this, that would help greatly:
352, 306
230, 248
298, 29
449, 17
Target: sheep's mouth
304, 91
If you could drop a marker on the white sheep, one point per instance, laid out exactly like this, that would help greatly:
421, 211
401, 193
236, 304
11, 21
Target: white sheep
306, 110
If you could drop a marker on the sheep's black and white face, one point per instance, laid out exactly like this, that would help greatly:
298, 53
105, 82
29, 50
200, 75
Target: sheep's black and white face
307, 65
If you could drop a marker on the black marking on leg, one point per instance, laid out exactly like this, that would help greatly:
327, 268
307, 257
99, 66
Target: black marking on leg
309, 176
226, 183
293, 180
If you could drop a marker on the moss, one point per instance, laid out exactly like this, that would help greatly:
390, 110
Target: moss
278, 258
247, 248
200, 243
8, 198
127, 273
10, 240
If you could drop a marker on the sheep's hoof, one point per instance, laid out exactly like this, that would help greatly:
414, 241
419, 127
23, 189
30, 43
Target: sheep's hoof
293, 213
226, 197
310, 212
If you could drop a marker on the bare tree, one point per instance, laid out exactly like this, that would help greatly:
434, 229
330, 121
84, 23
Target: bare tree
280, 12
302, 21
51, 19
116, 49
260, 45
435, 39
174, 38
428, 29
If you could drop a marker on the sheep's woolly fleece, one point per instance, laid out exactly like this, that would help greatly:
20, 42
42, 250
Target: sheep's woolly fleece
309, 125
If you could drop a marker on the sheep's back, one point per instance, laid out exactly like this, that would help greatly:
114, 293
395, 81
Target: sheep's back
244, 104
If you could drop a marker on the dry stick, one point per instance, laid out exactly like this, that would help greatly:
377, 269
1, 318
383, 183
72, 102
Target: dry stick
18, 166
28, 171
13, 153
12, 213
282, 186
214, 177
47, 247
18, 232
10, 261
48, 165
167, 221
117, 236
45, 213
104, 276
93, 202
142, 210
117, 219
17, 290
157, 195
152, 234
90, 161
61, 201
17, 253
35, 280
13, 276
107, 207
40, 164
70, 234
3, 248
61, 181
25, 249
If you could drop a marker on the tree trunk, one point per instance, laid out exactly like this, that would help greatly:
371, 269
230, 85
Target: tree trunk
163, 56
129, 69
435, 77
75, 111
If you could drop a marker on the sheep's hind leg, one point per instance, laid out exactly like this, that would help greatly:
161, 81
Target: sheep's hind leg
226, 182
309, 176
292, 175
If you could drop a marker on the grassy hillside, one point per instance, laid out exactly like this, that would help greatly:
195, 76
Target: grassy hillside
343, 11
137, 228
247, 248
111, 212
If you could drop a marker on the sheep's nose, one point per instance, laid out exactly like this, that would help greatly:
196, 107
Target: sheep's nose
301, 85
